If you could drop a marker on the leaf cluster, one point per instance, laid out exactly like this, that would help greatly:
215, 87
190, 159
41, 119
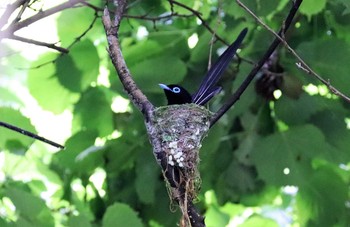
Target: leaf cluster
284, 161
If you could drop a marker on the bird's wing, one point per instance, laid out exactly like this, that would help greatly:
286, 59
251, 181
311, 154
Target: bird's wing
208, 88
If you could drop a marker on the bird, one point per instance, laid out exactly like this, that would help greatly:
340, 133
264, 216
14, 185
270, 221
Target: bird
177, 95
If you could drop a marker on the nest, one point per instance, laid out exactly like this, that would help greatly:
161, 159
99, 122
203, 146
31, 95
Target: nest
181, 129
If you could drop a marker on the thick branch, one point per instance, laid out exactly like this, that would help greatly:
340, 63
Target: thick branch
114, 49
235, 97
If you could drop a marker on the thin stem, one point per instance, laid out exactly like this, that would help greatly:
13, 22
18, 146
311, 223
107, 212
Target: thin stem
39, 43
301, 64
235, 97
30, 134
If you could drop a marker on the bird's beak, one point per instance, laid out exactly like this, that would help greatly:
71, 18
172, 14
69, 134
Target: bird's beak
163, 86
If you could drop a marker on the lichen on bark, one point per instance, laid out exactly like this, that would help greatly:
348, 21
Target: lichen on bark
180, 130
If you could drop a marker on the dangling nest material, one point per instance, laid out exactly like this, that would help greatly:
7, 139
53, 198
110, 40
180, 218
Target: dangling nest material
181, 129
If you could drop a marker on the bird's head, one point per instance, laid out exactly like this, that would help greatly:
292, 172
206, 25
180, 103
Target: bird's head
176, 94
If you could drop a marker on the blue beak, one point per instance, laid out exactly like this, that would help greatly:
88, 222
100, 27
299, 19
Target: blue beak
163, 86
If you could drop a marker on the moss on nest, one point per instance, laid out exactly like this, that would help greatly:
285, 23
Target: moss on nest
181, 129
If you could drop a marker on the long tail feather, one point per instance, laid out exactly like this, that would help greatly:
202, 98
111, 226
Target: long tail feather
205, 91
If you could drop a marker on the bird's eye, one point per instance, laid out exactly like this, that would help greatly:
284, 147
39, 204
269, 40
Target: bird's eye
176, 90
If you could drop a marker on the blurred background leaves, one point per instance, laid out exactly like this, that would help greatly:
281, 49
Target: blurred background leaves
279, 157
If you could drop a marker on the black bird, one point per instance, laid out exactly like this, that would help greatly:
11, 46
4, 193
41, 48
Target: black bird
208, 88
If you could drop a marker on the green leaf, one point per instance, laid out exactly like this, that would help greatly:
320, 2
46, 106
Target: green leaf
268, 7
121, 156
120, 214
80, 220
321, 200
172, 40
68, 74
327, 58
81, 144
89, 159
30, 208
257, 220
265, 195
285, 158
333, 126
141, 51
77, 70
73, 22
8, 97
346, 5
10, 138
215, 217
93, 112
46, 88
233, 9
201, 51
302, 108
312, 7
149, 73
4, 223
238, 179
147, 173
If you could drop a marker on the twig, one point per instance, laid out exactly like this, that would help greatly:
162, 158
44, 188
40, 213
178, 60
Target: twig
235, 97
301, 64
39, 43
10, 8
40, 15
20, 13
76, 40
16, 25
141, 17
204, 23
30, 134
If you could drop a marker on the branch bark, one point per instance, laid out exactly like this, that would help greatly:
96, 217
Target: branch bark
39, 43
179, 178
10, 8
301, 64
114, 50
235, 97
16, 25
42, 14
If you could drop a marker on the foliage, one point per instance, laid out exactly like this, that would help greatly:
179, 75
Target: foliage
266, 163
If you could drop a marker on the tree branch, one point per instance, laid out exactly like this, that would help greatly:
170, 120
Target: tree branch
30, 134
301, 64
235, 97
204, 23
114, 49
10, 8
40, 15
39, 43
16, 24
173, 174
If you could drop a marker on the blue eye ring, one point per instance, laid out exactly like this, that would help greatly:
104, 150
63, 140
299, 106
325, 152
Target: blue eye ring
176, 90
